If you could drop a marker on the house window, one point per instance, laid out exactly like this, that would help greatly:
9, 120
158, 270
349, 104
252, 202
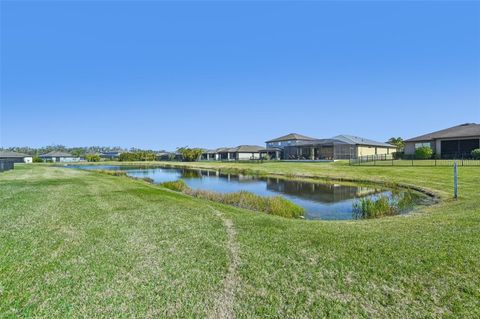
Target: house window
426, 144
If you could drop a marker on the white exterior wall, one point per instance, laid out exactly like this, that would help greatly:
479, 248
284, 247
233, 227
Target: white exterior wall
438, 148
366, 150
28, 160
385, 150
247, 156
69, 159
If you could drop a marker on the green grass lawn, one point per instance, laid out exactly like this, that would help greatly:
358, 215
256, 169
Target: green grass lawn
83, 244
425, 162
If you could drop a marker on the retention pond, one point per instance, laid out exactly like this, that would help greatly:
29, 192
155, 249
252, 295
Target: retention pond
321, 200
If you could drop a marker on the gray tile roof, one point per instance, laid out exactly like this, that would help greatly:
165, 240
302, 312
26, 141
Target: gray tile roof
222, 150
11, 154
356, 140
239, 149
57, 154
291, 136
249, 148
344, 139
272, 149
462, 130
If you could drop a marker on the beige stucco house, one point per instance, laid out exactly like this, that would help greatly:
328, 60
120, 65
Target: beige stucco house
454, 142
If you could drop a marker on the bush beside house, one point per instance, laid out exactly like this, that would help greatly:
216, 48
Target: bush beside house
424, 152
476, 153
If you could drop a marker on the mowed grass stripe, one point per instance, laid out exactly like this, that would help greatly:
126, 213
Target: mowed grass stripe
420, 265
123, 248
95, 248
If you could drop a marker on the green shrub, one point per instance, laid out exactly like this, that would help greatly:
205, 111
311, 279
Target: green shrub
37, 159
398, 155
476, 153
136, 156
275, 205
423, 152
93, 158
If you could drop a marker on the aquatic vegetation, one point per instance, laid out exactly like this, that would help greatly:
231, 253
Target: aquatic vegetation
371, 207
274, 205
368, 207
111, 172
178, 186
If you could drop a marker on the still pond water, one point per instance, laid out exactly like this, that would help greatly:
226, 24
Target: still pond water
326, 201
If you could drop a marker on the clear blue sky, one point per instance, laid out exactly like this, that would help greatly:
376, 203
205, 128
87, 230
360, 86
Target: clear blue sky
209, 74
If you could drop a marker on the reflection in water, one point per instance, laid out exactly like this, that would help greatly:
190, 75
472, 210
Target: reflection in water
189, 173
320, 200
326, 193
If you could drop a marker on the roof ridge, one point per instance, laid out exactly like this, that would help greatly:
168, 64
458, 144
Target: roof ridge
453, 130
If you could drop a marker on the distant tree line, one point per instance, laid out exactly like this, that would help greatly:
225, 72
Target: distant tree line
75, 151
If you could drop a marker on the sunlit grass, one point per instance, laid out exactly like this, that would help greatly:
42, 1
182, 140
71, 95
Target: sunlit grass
82, 244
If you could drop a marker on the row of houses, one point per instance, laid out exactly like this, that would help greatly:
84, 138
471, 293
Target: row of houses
65, 157
54, 156
454, 142
295, 146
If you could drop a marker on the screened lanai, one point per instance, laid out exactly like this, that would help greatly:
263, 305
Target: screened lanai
323, 149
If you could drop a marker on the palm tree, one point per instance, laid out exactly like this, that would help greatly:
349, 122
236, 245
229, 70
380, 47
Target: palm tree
398, 142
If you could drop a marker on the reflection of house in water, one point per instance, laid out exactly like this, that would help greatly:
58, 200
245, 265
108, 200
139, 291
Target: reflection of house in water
189, 173
240, 178
325, 193
317, 192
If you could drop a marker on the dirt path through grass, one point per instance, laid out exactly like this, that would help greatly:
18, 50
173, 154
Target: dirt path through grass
225, 302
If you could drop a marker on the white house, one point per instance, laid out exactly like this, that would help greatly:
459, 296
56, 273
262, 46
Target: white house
56, 156
16, 157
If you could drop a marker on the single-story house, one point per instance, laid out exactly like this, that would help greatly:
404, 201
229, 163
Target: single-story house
247, 152
168, 156
6, 165
113, 155
454, 142
336, 148
209, 155
164, 156
272, 153
239, 153
15, 157
57, 156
